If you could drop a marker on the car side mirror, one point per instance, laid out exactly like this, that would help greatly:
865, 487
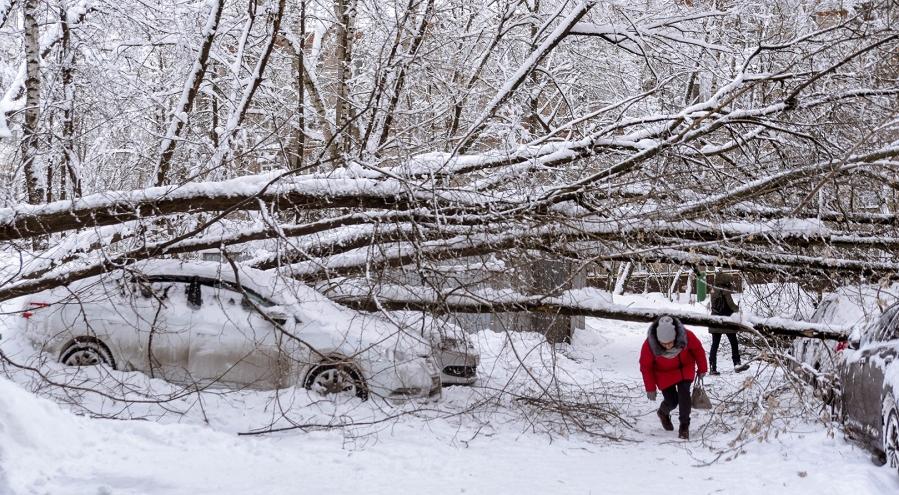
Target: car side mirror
277, 314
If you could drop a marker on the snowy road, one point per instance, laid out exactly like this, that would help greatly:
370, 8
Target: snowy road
46, 450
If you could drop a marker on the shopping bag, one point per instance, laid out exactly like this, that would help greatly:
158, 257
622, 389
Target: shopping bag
699, 398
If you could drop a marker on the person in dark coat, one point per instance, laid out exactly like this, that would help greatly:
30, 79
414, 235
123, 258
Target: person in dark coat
669, 361
722, 304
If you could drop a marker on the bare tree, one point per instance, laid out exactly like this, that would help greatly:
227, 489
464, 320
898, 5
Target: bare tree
30, 145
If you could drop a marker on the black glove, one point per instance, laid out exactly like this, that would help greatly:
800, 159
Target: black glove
700, 376
651, 396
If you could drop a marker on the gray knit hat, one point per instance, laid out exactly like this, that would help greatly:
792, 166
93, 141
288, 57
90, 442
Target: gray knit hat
665, 330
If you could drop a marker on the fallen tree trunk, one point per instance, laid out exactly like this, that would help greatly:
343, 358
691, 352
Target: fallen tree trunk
580, 302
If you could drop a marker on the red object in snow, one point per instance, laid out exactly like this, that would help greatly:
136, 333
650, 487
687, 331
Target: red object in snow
36, 305
662, 372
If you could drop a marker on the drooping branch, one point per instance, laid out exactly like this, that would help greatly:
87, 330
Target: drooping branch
779, 180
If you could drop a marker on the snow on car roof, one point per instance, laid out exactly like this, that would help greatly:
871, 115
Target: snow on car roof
315, 310
284, 290
854, 304
269, 284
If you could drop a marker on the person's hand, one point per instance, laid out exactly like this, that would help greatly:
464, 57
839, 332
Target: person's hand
700, 376
651, 396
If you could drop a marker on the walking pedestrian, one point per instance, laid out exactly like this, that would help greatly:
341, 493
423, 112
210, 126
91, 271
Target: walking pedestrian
722, 304
670, 359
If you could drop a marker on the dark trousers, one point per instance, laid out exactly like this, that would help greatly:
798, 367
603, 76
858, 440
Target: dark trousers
734, 349
678, 395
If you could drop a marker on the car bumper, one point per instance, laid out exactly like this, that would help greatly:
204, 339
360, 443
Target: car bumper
416, 378
457, 367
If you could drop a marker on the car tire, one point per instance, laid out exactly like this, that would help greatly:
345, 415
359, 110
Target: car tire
336, 378
891, 432
86, 351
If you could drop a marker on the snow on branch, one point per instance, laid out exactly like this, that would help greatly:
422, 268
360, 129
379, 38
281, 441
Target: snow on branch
526, 67
12, 96
188, 93
781, 179
638, 33
26, 221
577, 302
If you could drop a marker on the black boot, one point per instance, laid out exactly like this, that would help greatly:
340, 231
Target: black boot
683, 431
666, 420
739, 368
714, 372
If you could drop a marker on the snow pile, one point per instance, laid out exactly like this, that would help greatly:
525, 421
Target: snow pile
34, 430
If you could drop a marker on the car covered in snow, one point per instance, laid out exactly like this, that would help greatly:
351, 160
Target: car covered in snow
869, 379
852, 306
815, 356
208, 323
860, 379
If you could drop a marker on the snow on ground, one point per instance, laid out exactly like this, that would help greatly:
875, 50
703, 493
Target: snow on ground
447, 447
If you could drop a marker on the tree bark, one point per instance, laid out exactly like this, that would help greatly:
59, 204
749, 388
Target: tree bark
299, 147
344, 11
30, 140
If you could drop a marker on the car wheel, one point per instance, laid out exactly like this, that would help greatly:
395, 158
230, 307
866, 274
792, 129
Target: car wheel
891, 433
86, 351
331, 379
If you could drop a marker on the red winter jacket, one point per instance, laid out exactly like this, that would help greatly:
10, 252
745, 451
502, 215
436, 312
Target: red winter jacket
662, 372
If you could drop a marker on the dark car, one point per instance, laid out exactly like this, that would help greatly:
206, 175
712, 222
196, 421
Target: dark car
869, 376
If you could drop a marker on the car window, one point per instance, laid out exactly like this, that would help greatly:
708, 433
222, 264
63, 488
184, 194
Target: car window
231, 294
218, 284
149, 288
887, 326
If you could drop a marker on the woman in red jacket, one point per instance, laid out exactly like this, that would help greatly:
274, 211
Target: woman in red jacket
669, 361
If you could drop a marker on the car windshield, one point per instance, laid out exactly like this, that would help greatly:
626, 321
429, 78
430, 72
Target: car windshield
824, 309
887, 326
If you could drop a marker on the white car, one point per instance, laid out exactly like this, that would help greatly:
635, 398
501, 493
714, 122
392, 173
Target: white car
202, 323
